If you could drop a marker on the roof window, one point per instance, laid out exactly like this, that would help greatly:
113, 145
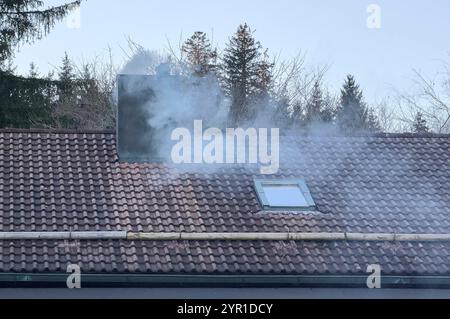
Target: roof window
284, 195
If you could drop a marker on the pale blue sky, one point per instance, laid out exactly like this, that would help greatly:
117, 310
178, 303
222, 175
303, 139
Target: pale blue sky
413, 34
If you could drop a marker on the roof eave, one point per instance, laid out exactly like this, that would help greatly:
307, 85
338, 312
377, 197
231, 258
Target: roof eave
218, 281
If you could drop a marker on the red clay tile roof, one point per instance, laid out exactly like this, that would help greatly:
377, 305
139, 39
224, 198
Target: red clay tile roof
68, 181
215, 257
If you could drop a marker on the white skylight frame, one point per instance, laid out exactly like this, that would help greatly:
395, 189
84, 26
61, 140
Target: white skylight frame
262, 184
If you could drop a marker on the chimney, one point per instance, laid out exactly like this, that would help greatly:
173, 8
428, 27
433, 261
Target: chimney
142, 132
134, 134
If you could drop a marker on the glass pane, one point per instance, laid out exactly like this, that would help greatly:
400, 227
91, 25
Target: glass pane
284, 196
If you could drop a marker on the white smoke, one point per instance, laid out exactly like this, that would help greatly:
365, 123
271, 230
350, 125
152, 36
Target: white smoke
143, 62
180, 97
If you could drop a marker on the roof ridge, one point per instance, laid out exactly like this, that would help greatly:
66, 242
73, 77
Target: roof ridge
57, 131
113, 131
374, 135
407, 135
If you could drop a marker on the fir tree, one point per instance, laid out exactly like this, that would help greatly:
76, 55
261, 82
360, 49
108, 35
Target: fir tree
7, 67
66, 73
263, 80
313, 112
328, 109
66, 78
319, 107
352, 113
25, 102
420, 124
200, 54
34, 72
298, 115
26, 21
246, 73
372, 123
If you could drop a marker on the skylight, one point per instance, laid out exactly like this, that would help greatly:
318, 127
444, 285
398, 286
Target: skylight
284, 194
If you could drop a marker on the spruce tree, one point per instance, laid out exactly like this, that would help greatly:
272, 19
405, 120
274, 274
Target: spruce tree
328, 109
420, 124
246, 73
199, 54
319, 107
24, 21
25, 102
263, 81
7, 67
66, 70
66, 77
315, 105
298, 115
372, 123
34, 72
352, 113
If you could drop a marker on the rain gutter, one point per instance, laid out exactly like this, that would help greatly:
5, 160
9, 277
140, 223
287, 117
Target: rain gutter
145, 236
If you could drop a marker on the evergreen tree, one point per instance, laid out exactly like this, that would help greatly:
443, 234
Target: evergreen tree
87, 83
298, 115
373, 124
328, 109
66, 78
50, 75
352, 113
420, 124
319, 107
26, 21
200, 54
66, 73
313, 112
263, 81
25, 102
7, 67
246, 73
34, 72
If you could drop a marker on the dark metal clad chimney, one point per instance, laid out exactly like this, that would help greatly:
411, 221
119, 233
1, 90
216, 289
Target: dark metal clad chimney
142, 133
134, 134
